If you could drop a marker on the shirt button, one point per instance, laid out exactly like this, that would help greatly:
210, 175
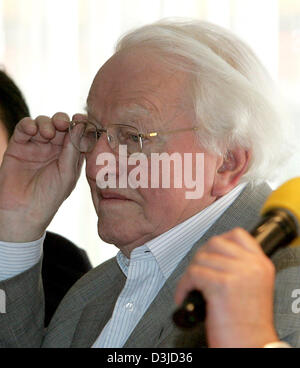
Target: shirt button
129, 307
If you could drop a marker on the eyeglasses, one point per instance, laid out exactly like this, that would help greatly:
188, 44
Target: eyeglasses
84, 136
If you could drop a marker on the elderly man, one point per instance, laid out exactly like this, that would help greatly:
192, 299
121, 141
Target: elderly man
169, 88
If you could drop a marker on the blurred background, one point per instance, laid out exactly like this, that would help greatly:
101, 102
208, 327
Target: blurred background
53, 49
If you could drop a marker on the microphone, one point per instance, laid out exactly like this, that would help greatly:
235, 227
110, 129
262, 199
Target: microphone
279, 226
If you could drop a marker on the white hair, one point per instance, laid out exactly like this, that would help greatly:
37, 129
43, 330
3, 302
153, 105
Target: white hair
235, 101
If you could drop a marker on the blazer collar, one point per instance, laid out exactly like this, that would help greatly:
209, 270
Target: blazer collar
95, 315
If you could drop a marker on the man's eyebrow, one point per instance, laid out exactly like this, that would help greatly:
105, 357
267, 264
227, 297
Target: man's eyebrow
131, 114
134, 109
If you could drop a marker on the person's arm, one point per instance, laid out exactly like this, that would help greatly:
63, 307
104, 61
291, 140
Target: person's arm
40, 169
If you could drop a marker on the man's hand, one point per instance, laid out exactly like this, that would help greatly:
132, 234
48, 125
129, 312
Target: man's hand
40, 169
237, 282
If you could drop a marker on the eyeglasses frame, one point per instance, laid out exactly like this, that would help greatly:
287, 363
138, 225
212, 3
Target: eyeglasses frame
141, 136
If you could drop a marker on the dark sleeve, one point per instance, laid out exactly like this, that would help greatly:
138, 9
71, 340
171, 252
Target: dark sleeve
63, 264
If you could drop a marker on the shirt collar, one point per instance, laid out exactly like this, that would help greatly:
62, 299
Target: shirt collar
170, 247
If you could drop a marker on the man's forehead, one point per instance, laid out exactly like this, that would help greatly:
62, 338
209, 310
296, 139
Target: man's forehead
128, 65
138, 69
154, 93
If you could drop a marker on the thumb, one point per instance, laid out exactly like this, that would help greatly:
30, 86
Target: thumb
70, 160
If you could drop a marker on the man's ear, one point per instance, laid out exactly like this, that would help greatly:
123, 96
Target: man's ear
234, 164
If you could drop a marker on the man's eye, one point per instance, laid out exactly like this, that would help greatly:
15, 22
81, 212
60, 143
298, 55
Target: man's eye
133, 137
89, 132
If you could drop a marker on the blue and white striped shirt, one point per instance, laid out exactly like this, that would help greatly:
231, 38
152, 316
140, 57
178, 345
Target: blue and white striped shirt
146, 271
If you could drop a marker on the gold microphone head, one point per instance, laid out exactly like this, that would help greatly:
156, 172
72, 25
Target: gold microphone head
287, 198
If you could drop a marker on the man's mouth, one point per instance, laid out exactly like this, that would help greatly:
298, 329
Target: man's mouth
109, 195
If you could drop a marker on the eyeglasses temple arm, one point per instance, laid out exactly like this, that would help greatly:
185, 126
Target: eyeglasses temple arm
155, 134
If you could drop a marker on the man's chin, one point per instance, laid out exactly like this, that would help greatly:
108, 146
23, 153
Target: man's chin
113, 234
122, 234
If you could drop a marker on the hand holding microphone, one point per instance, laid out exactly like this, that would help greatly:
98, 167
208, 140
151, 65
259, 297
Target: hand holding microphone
236, 278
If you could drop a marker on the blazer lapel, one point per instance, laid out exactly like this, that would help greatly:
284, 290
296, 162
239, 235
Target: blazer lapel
97, 313
156, 328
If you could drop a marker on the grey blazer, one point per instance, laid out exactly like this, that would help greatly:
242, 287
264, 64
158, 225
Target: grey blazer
88, 306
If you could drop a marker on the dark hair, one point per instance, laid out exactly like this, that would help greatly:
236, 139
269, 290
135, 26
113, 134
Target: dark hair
12, 103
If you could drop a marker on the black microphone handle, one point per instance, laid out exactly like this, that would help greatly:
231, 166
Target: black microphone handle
276, 229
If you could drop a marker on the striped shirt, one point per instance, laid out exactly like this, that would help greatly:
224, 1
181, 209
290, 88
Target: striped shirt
16, 258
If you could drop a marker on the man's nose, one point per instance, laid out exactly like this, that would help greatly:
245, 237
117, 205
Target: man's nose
103, 148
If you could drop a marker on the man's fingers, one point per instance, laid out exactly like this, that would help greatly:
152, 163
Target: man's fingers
61, 121
42, 129
49, 127
79, 117
243, 238
199, 278
215, 261
224, 246
206, 264
54, 131
69, 153
221, 255
70, 159
25, 130
45, 128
